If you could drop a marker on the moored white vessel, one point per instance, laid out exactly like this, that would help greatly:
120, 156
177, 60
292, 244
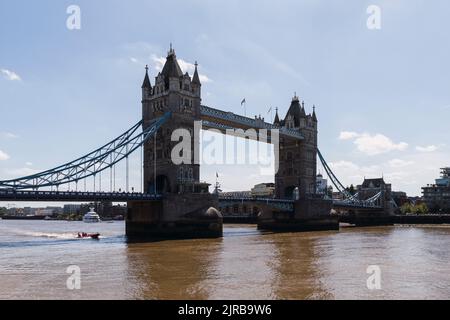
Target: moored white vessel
91, 217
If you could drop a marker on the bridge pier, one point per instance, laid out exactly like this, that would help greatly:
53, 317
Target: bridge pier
309, 215
368, 218
177, 216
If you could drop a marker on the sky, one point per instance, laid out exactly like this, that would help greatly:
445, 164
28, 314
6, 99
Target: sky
382, 95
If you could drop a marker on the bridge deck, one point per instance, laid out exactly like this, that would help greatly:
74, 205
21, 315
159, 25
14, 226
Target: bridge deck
9, 195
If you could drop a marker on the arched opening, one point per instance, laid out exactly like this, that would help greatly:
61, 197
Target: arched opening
162, 185
289, 192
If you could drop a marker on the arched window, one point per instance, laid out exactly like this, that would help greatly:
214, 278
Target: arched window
289, 155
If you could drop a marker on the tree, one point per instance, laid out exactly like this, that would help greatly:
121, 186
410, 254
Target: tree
351, 189
422, 209
406, 208
414, 209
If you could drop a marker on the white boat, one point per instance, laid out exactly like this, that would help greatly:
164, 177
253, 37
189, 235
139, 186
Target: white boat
91, 217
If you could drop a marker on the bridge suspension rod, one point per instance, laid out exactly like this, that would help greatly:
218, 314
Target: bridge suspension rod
91, 164
339, 186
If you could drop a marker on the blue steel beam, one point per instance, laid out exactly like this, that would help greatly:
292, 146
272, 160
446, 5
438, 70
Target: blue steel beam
91, 164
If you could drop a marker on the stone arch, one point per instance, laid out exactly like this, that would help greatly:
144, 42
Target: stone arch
289, 192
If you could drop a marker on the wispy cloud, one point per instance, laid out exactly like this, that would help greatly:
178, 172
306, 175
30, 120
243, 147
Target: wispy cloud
3, 156
348, 135
8, 135
10, 75
430, 148
399, 163
22, 172
354, 173
185, 66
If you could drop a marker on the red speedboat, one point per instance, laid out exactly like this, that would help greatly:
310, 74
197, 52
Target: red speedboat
83, 235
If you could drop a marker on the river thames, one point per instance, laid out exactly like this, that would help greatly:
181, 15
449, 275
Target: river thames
244, 264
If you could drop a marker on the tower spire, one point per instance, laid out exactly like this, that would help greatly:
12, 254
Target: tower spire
146, 84
314, 116
171, 51
196, 78
277, 118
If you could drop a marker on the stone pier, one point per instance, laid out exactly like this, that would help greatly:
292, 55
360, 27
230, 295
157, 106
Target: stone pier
176, 216
309, 215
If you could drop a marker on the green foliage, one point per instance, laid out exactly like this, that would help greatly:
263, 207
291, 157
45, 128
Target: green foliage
2, 212
408, 208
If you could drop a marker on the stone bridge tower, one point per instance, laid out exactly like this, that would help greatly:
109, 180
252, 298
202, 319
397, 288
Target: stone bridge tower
187, 209
176, 92
297, 159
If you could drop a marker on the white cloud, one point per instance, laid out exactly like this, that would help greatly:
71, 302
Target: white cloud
344, 165
378, 144
372, 144
8, 135
398, 163
348, 135
407, 173
28, 164
134, 60
184, 65
3, 156
351, 173
395, 178
22, 172
10, 75
430, 148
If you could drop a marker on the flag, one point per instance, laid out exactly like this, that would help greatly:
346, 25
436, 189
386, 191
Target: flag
270, 110
243, 102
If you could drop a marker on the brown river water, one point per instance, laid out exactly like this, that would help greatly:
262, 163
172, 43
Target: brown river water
245, 264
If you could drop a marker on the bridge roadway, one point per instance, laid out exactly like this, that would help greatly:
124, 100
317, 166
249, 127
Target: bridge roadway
288, 205
71, 196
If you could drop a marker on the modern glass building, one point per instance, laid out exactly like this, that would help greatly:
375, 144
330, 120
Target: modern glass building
437, 196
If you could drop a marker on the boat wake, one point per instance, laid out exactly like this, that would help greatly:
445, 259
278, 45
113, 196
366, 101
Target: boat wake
63, 236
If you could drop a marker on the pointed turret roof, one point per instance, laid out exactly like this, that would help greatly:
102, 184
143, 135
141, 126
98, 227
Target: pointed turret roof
314, 117
172, 68
302, 111
277, 118
295, 111
146, 84
196, 78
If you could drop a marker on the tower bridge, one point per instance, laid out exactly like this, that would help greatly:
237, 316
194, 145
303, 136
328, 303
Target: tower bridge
174, 203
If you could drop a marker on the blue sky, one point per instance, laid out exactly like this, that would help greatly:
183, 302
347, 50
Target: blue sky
382, 96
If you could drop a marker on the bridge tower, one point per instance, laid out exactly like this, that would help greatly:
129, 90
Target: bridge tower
178, 93
296, 176
187, 209
297, 159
